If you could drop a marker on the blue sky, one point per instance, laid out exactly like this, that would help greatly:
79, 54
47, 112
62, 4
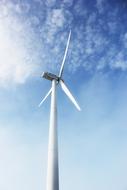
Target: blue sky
92, 143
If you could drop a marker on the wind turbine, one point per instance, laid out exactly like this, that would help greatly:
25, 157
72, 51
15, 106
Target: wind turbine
53, 165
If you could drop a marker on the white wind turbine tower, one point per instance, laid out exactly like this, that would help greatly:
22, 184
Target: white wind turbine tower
53, 167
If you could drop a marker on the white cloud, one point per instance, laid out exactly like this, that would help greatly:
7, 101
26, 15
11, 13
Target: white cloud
50, 3
100, 5
112, 26
124, 40
13, 68
22, 7
48, 29
20, 47
3, 11
79, 8
68, 3
57, 17
119, 61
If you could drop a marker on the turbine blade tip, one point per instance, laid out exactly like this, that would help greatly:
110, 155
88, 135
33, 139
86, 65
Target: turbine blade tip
79, 109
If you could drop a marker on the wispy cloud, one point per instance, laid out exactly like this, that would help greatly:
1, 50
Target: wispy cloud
40, 32
16, 61
100, 5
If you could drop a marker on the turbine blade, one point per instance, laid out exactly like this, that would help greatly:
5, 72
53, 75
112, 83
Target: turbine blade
68, 93
49, 92
65, 54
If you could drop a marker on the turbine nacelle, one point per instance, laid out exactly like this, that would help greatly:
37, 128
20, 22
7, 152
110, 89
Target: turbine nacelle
50, 76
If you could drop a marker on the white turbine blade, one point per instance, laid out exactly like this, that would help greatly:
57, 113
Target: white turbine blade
65, 54
68, 93
49, 92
